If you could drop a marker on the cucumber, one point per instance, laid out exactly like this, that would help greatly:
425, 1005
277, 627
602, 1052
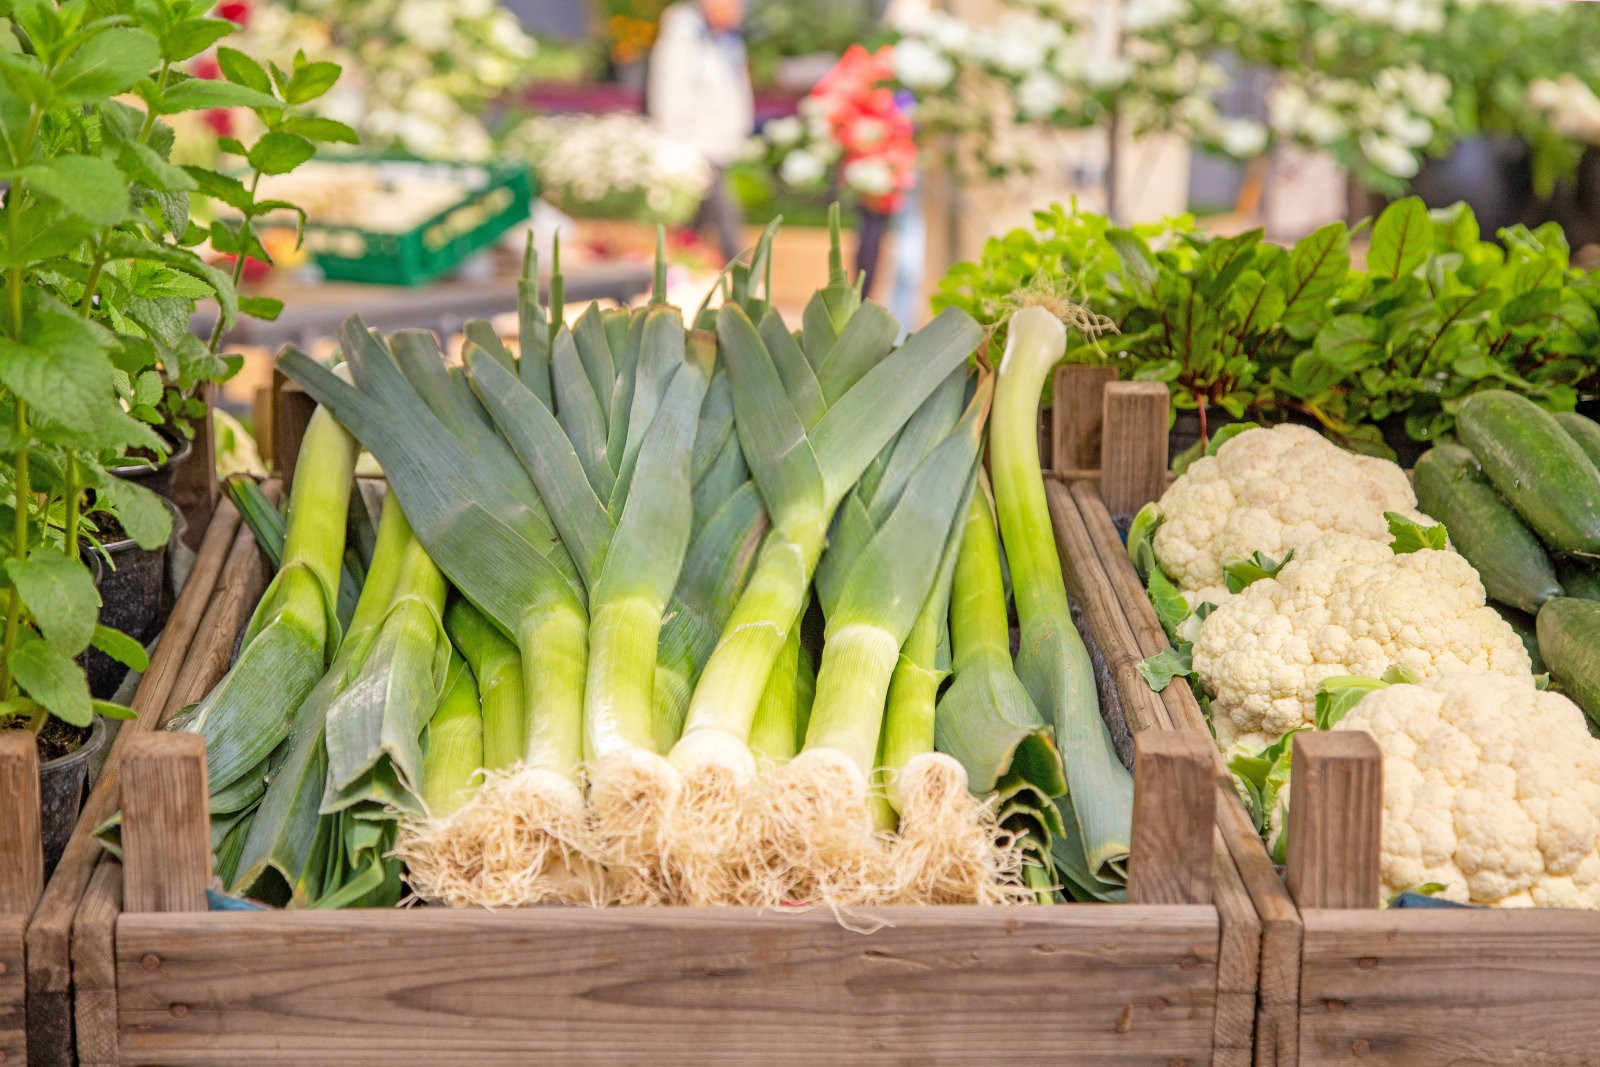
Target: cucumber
1578, 579
1537, 467
1527, 629
1584, 431
1569, 638
1512, 563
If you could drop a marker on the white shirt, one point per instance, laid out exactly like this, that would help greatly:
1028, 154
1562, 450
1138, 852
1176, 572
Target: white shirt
699, 88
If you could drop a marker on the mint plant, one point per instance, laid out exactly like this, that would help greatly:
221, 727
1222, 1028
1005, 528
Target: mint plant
101, 274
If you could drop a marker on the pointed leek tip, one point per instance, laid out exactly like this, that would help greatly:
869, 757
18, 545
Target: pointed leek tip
530, 258
836, 275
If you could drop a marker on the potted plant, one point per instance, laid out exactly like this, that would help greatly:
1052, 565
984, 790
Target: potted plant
101, 273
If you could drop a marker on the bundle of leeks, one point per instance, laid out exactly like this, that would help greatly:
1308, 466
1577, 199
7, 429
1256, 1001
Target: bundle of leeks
672, 614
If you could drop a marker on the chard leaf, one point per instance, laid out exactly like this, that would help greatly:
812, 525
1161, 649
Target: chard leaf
1228, 433
1414, 537
1159, 670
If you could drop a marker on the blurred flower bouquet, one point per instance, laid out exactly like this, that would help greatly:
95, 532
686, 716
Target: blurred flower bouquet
853, 131
611, 166
419, 74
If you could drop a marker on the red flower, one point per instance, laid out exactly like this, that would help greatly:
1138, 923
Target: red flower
866, 121
206, 67
235, 11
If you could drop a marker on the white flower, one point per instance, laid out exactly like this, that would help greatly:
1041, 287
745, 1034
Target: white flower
1105, 71
1241, 138
800, 168
784, 131
1146, 14
425, 22
922, 67
1016, 47
1413, 131
507, 35
1388, 156
1039, 95
1321, 125
869, 177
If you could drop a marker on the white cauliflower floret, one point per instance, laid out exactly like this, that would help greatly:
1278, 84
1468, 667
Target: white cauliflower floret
1490, 788
1271, 491
1344, 606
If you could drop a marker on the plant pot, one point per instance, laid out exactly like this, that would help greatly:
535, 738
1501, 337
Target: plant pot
61, 792
158, 478
1493, 174
133, 599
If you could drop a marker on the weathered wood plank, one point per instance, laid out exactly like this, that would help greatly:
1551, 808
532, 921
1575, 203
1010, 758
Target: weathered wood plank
1133, 452
292, 408
1076, 408
1256, 898
49, 964
1419, 986
13, 990
194, 481
166, 840
21, 857
1173, 808
94, 966
1087, 983
1335, 820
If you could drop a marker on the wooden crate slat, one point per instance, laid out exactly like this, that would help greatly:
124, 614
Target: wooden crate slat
1076, 409
49, 933
1088, 983
94, 966
13, 989
1412, 986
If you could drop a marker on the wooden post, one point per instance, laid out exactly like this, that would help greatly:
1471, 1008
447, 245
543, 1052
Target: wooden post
21, 857
194, 483
166, 832
292, 407
1174, 802
1075, 411
261, 422
1133, 448
1335, 820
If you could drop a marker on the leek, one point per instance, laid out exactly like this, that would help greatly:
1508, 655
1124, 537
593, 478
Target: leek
497, 674
810, 418
294, 630
1052, 661
453, 744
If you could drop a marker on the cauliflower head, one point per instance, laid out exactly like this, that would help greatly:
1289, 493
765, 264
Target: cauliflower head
1490, 787
1272, 490
1344, 605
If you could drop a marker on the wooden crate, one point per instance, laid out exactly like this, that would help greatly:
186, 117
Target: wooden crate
157, 979
1110, 443
21, 881
1420, 985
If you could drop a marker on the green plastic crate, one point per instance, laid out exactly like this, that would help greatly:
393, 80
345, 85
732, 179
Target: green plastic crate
500, 196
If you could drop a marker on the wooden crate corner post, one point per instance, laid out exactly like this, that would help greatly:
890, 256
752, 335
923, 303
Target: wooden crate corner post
166, 836
1133, 449
21, 882
1174, 805
290, 409
1335, 820
1077, 406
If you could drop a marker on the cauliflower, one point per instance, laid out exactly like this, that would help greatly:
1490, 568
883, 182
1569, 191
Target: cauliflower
1344, 605
1490, 787
1271, 491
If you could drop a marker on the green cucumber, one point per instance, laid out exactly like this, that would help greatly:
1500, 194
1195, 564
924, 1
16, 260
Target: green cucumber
1569, 638
1512, 563
1578, 579
1527, 629
1584, 431
1538, 468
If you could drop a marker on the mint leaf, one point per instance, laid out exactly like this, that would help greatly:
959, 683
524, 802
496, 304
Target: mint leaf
60, 595
89, 187
120, 647
49, 676
202, 93
106, 64
279, 153
1413, 537
242, 70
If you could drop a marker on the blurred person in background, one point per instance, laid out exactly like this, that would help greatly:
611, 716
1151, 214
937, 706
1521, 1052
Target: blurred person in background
698, 92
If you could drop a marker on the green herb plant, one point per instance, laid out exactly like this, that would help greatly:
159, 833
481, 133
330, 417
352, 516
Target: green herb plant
101, 275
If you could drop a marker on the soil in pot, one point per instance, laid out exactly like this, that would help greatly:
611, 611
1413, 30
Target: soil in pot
133, 599
156, 475
64, 754
1406, 450
1493, 174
